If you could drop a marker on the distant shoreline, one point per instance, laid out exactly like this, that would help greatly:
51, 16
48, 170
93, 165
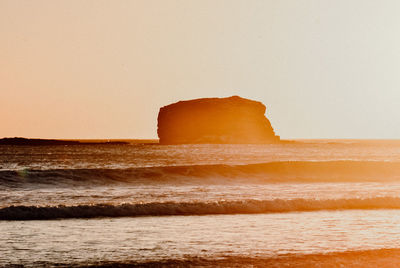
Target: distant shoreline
20, 141
47, 142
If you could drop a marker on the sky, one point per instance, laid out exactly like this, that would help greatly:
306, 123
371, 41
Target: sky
102, 69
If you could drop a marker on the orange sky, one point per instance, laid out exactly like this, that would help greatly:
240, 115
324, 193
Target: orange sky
102, 69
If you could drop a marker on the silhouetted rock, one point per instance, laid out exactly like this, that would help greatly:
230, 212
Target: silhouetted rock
215, 120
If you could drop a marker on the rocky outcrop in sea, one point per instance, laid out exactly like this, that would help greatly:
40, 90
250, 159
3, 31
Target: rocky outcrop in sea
215, 120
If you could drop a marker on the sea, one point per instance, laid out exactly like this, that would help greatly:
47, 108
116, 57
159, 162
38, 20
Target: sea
305, 203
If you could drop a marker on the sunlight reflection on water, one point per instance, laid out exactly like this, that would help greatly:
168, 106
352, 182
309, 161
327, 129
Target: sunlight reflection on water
157, 238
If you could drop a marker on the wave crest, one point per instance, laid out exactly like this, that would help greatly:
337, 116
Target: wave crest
286, 171
193, 208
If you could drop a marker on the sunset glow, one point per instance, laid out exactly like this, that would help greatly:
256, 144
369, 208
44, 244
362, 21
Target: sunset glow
96, 69
199, 133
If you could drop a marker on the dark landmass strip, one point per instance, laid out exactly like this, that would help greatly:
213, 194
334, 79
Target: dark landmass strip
215, 120
44, 142
130, 141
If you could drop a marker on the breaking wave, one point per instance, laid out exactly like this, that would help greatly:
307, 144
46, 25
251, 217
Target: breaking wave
370, 258
285, 171
194, 208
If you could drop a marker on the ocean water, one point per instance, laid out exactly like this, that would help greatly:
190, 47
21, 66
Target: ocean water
301, 204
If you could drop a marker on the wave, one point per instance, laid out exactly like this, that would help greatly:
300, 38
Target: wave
285, 171
372, 258
384, 257
194, 208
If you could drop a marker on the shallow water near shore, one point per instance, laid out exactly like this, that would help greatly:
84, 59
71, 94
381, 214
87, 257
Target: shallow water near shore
204, 204
80, 241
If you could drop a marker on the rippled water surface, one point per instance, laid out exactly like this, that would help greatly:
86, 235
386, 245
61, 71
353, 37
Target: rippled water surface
127, 156
182, 237
254, 201
118, 194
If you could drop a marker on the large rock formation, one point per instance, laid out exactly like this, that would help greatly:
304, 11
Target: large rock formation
215, 120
